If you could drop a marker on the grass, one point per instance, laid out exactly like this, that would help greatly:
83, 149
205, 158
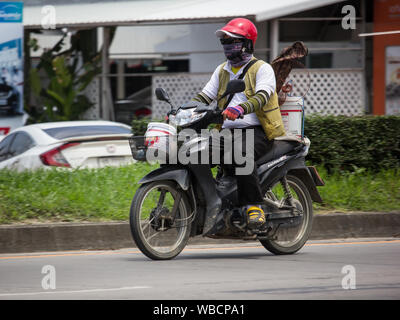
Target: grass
360, 190
60, 195
106, 194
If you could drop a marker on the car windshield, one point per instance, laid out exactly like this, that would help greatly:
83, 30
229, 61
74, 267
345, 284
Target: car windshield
80, 131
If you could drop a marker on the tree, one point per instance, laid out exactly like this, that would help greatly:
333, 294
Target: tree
67, 74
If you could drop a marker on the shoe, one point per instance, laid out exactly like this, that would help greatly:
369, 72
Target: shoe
255, 217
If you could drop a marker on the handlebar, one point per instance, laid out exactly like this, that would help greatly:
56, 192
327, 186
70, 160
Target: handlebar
216, 112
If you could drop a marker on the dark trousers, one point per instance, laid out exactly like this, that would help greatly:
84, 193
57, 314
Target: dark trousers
249, 190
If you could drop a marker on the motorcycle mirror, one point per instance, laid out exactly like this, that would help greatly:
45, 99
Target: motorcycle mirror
234, 86
162, 95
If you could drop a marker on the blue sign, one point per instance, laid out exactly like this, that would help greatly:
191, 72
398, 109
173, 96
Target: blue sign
11, 60
11, 12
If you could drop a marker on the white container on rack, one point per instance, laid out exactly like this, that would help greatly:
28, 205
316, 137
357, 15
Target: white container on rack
292, 112
158, 135
159, 138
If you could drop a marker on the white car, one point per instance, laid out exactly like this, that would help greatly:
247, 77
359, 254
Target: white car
69, 144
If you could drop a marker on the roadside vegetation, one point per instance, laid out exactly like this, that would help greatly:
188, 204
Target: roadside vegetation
358, 157
360, 190
106, 194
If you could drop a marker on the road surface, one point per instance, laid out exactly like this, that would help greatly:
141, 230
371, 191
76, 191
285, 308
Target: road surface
329, 269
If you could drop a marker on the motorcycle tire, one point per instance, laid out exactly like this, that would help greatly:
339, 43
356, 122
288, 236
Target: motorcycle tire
136, 226
304, 196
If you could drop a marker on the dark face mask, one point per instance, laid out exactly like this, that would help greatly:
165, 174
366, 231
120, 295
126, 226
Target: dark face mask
236, 54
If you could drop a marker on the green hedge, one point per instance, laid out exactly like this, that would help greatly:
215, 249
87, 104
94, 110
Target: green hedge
345, 143
139, 125
339, 142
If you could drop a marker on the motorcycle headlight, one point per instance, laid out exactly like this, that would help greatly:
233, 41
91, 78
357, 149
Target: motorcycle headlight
186, 116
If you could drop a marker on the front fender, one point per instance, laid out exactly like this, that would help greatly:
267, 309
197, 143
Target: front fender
176, 173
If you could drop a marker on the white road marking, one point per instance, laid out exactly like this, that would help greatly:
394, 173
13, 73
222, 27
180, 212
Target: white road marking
72, 291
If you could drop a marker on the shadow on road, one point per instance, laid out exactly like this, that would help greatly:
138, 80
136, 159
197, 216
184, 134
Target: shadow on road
204, 255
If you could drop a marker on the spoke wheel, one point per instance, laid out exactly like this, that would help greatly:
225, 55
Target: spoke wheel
157, 231
288, 240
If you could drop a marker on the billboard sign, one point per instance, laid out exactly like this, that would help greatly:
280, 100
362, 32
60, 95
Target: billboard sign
11, 64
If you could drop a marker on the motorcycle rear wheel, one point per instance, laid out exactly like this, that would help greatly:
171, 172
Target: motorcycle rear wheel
156, 233
291, 240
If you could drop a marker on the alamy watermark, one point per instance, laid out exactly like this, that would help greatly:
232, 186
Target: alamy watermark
349, 20
49, 280
207, 147
349, 280
49, 16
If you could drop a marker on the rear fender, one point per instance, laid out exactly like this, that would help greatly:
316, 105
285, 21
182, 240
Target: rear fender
305, 176
272, 172
296, 167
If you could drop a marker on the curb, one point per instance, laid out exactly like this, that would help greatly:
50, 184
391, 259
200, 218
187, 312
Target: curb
116, 235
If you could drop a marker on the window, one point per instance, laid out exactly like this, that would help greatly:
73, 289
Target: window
80, 131
330, 45
319, 60
21, 143
4, 146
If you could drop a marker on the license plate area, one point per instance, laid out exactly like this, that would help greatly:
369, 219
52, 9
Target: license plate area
111, 161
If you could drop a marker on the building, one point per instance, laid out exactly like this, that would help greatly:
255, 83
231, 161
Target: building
171, 43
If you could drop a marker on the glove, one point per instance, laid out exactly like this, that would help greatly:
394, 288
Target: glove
232, 113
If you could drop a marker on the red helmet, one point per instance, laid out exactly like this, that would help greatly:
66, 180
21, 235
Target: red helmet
239, 26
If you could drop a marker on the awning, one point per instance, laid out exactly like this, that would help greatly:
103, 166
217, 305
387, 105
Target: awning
165, 11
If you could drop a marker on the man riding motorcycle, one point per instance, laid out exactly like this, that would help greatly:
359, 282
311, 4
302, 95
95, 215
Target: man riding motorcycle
182, 199
256, 108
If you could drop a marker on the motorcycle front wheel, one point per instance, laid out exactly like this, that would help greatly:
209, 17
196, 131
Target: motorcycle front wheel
160, 220
288, 240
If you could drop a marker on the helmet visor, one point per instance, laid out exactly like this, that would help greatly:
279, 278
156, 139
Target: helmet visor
221, 33
231, 40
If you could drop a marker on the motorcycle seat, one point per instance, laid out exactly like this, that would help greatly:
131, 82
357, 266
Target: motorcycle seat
278, 149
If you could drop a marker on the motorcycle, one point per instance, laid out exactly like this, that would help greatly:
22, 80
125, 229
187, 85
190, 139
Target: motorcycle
178, 200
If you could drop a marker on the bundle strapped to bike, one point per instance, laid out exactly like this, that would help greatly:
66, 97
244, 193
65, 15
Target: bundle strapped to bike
292, 107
